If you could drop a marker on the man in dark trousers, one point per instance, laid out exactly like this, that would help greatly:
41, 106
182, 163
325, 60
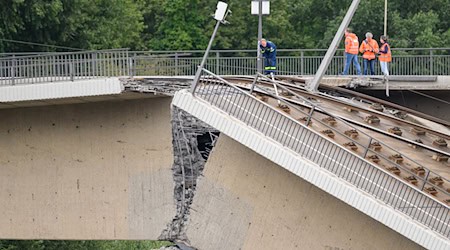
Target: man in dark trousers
269, 52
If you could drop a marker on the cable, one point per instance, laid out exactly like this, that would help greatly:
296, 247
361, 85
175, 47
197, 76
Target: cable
429, 96
38, 44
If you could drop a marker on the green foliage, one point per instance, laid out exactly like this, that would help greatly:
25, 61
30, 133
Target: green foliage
420, 30
109, 24
182, 25
187, 25
85, 24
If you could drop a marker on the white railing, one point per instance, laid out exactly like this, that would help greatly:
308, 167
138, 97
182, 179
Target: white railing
434, 61
51, 67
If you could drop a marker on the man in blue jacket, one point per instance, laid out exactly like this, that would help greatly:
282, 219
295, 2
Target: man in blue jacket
269, 52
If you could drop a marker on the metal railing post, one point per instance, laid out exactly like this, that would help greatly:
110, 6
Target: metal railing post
13, 70
124, 62
71, 70
425, 179
310, 115
217, 62
431, 62
176, 63
366, 150
130, 62
94, 65
253, 84
134, 62
302, 63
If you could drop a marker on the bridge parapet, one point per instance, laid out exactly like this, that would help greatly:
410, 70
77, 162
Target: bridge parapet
405, 61
53, 67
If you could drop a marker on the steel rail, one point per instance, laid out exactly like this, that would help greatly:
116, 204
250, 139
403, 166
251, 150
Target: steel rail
377, 100
395, 119
318, 109
433, 149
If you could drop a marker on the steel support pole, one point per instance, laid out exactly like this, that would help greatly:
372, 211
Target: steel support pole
258, 53
313, 86
205, 56
385, 17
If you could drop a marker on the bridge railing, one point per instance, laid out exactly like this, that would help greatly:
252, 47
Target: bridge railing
405, 61
50, 67
296, 136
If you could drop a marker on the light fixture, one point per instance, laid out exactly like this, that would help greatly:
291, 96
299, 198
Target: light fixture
220, 11
265, 7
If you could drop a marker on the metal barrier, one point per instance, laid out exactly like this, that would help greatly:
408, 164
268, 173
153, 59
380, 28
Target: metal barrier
435, 61
49, 67
63, 66
324, 152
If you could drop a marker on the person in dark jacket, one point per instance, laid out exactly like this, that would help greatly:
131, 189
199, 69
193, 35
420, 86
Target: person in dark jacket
269, 52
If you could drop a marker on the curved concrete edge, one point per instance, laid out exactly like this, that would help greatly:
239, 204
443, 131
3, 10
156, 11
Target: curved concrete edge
57, 90
310, 171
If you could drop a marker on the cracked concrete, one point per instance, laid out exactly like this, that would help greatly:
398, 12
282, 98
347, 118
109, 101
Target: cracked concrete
189, 162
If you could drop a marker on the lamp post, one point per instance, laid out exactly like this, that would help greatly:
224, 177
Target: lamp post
385, 17
220, 15
260, 8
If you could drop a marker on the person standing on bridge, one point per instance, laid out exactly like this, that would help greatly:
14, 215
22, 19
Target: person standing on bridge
269, 52
369, 48
385, 55
351, 51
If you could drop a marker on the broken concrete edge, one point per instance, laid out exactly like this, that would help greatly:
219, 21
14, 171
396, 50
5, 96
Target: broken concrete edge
188, 165
158, 86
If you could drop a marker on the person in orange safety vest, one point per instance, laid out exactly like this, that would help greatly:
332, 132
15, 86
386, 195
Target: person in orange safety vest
369, 48
351, 51
385, 56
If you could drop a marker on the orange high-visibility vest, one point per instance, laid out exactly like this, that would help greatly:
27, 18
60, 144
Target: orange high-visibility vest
351, 44
369, 49
388, 56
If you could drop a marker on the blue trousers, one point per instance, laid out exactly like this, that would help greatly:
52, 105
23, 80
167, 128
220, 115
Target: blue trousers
270, 65
349, 58
370, 63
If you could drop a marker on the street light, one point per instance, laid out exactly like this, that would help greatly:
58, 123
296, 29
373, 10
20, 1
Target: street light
260, 8
220, 15
385, 17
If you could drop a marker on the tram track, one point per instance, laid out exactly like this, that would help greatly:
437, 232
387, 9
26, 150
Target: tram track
328, 98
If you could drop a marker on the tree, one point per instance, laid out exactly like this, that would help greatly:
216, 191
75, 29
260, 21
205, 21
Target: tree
187, 25
84, 24
181, 24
